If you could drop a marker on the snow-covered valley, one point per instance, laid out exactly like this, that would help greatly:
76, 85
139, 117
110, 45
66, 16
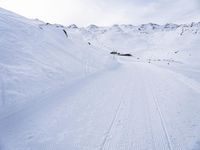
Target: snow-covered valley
61, 89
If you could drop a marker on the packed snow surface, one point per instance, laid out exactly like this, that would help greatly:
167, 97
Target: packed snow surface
61, 89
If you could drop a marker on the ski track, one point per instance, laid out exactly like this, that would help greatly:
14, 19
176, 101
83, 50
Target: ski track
161, 118
131, 107
111, 125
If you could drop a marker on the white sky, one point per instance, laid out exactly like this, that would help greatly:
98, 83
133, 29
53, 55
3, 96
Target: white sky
107, 12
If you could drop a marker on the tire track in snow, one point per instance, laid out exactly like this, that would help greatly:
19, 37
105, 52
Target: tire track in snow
113, 121
148, 115
155, 99
111, 126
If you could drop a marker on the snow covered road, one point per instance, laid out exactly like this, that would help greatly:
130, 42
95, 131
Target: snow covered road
135, 106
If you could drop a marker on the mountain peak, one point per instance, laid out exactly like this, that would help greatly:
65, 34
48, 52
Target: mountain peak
72, 26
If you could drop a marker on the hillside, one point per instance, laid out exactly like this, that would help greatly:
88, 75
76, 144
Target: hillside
37, 57
61, 89
147, 41
172, 46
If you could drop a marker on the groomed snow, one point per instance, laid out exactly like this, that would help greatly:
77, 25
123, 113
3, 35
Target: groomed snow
63, 91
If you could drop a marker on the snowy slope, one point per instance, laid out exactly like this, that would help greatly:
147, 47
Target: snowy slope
36, 56
134, 106
172, 46
62, 90
148, 41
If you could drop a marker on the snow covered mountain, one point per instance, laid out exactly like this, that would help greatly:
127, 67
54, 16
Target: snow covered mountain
60, 88
148, 41
173, 46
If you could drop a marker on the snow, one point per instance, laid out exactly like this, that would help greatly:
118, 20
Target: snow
60, 92
39, 56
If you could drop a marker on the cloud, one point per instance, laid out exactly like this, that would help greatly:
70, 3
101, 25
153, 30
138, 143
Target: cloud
107, 12
179, 11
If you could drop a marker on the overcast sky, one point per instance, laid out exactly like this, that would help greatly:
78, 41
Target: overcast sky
107, 12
